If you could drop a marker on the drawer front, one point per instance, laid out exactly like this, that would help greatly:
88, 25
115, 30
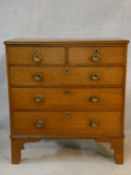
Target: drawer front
36, 56
96, 55
60, 98
66, 76
67, 123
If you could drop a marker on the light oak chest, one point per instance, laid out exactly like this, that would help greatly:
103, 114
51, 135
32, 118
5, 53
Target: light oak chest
66, 89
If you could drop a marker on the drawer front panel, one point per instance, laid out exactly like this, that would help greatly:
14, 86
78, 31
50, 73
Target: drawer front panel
96, 55
66, 76
36, 56
61, 124
60, 98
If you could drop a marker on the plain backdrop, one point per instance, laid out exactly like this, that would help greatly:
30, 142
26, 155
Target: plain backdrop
62, 19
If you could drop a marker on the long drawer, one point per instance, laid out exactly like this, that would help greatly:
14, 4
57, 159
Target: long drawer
96, 55
67, 123
36, 55
28, 76
71, 98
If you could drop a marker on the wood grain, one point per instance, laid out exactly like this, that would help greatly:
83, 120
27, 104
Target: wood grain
24, 55
55, 98
24, 76
77, 123
108, 55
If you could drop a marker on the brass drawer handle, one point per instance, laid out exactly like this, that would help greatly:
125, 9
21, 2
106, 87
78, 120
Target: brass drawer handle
94, 123
66, 71
94, 99
66, 91
39, 99
38, 76
67, 115
36, 56
95, 76
39, 124
96, 56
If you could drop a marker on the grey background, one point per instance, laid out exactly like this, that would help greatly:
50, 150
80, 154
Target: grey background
61, 19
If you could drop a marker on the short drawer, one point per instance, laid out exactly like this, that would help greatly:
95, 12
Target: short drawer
96, 55
29, 76
67, 123
68, 98
36, 56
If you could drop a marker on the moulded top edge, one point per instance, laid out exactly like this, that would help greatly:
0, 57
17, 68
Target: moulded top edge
66, 41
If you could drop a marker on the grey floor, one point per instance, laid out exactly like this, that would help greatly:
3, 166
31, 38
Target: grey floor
85, 157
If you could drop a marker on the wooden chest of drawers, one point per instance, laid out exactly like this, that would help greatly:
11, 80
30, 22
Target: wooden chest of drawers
71, 89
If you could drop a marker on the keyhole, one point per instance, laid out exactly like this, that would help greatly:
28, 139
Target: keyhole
67, 91
66, 71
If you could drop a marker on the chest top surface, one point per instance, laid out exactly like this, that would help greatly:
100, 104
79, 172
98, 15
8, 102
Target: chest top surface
62, 41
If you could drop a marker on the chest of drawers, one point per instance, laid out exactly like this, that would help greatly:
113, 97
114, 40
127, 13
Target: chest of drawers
66, 89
